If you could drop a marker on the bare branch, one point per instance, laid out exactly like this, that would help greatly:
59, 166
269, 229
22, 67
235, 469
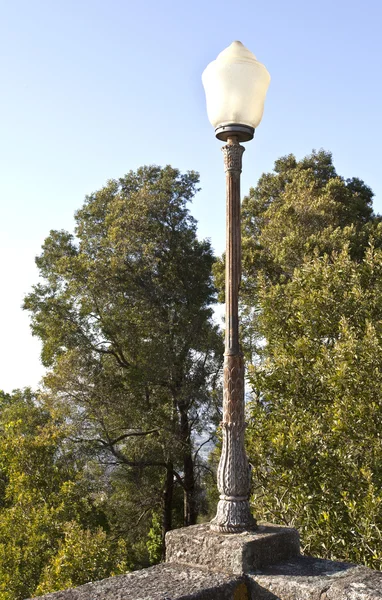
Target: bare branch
203, 444
178, 478
130, 463
132, 434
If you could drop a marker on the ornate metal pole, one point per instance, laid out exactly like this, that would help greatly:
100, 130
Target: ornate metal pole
233, 513
235, 84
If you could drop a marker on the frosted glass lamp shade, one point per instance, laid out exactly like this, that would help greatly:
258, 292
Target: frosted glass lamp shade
236, 85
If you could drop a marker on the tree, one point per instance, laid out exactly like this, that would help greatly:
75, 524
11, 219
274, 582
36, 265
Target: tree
311, 307
45, 496
82, 556
124, 315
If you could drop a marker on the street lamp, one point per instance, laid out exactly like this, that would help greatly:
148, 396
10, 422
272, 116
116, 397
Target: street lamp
235, 85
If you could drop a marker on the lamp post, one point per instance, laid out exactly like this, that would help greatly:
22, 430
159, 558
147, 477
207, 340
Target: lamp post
235, 85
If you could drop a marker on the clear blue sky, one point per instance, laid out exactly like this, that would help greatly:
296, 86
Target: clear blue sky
91, 89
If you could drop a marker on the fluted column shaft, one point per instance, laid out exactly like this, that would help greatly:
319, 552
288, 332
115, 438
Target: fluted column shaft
233, 512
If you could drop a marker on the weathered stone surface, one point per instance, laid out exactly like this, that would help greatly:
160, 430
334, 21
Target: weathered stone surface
234, 552
298, 578
360, 584
162, 582
302, 578
307, 578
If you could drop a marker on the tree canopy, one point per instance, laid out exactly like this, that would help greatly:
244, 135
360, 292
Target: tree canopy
49, 509
124, 313
109, 454
311, 314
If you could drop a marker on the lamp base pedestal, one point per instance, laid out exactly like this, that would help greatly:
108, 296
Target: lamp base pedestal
200, 546
243, 133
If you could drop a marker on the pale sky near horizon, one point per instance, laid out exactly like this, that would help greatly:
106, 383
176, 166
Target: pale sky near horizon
91, 89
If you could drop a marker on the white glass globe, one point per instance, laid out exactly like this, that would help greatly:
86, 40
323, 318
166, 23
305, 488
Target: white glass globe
235, 85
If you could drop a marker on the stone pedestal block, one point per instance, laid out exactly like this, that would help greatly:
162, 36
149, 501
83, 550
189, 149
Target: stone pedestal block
237, 553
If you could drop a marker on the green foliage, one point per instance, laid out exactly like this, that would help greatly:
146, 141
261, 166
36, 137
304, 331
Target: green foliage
154, 540
82, 556
46, 499
312, 319
123, 311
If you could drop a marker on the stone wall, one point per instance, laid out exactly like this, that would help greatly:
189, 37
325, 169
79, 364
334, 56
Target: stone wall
261, 565
302, 578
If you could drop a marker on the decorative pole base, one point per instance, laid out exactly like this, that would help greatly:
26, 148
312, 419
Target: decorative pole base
233, 516
234, 473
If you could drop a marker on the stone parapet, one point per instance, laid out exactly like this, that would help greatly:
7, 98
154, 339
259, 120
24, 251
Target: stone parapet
308, 578
301, 578
246, 566
162, 582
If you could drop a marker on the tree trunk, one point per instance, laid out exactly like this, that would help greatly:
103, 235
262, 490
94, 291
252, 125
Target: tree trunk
168, 491
190, 509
